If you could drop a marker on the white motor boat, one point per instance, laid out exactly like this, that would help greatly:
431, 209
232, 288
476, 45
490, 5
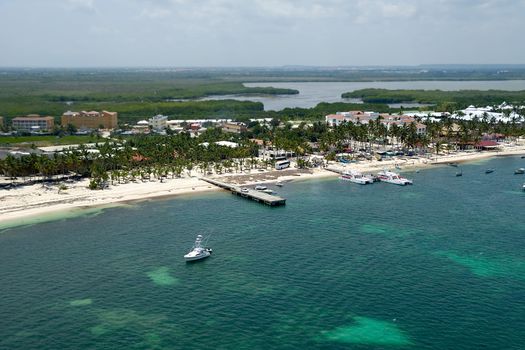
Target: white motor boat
523, 187
198, 252
356, 177
393, 178
261, 187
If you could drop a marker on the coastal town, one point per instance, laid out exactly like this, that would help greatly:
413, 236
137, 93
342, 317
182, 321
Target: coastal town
49, 178
263, 175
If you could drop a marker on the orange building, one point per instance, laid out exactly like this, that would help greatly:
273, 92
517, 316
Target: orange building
33, 122
90, 120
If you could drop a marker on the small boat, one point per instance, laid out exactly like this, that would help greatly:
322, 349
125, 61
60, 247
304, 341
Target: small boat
522, 157
393, 178
455, 165
523, 187
261, 187
488, 171
198, 252
245, 190
279, 184
267, 191
459, 173
356, 177
519, 171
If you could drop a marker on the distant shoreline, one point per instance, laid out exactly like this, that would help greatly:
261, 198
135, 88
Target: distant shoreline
29, 204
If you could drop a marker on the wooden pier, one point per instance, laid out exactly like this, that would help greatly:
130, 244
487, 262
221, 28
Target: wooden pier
334, 170
258, 196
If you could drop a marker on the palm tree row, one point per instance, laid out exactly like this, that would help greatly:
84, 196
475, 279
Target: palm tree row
142, 158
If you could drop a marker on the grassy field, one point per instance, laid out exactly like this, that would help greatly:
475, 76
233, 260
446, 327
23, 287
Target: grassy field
141, 93
134, 95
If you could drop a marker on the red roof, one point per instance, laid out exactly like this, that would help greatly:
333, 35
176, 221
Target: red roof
487, 143
139, 158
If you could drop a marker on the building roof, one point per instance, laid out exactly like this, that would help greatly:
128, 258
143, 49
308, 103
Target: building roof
33, 117
487, 143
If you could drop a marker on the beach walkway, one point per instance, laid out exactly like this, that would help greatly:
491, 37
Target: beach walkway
249, 193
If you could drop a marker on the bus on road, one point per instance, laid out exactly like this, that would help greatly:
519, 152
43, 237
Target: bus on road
283, 164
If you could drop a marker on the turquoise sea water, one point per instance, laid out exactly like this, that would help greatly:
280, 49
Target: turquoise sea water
438, 265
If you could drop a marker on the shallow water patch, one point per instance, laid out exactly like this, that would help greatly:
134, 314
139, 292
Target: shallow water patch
488, 266
386, 230
162, 277
153, 329
411, 195
81, 302
368, 331
72, 213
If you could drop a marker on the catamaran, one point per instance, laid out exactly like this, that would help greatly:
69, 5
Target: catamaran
393, 178
356, 177
198, 252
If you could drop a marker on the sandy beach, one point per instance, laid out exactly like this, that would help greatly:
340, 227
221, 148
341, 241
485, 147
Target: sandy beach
36, 200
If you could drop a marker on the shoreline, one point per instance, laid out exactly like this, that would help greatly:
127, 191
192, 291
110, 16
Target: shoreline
24, 205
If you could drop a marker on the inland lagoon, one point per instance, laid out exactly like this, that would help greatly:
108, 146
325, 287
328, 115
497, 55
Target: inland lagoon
436, 265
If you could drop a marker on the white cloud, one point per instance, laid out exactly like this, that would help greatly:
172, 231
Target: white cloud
82, 4
264, 32
296, 9
155, 12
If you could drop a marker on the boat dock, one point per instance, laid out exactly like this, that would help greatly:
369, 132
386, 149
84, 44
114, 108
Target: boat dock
257, 196
334, 170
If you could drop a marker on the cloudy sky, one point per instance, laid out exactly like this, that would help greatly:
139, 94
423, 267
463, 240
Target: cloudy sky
82, 33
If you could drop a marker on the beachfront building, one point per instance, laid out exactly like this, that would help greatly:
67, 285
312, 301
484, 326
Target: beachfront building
421, 129
502, 113
159, 122
33, 122
142, 127
175, 126
90, 120
356, 117
388, 120
235, 128
487, 145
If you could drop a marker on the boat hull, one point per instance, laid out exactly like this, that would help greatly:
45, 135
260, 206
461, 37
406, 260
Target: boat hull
394, 182
201, 256
360, 181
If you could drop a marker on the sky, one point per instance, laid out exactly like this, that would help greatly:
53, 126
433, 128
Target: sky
232, 33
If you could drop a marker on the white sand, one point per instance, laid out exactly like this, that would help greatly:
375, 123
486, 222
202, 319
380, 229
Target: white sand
27, 201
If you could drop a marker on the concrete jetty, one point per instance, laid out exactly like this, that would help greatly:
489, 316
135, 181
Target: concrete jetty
258, 196
334, 170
